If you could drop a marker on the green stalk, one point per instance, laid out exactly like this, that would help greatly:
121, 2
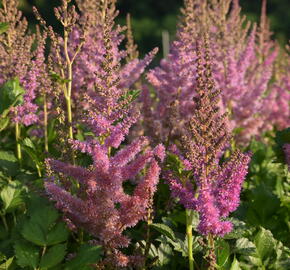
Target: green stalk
17, 137
69, 117
38, 170
189, 238
69, 85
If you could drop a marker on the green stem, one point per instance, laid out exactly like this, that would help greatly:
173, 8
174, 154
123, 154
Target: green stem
5, 222
69, 84
68, 89
43, 251
17, 137
69, 117
189, 238
38, 170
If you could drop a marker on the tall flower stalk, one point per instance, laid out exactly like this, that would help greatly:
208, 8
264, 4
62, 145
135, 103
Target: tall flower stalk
99, 204
189, 219
207, 186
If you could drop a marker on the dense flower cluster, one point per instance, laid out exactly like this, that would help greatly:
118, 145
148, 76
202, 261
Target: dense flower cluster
242, 67
217, 186
101, 206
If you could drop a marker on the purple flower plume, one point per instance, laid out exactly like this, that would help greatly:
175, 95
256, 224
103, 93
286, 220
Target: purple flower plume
214, 189
94, 207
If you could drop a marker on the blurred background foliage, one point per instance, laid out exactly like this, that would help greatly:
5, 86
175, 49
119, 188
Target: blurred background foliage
151, 17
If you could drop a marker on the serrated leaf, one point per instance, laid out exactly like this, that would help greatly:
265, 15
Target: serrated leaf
27, 142
42, 228
86, 255
26, 254
245, 246
59, 233
265, 243
11, 93
164, 229
45, 216
235, 265
164, 253
3, 27
6, 264
32, 232
53, 256
11, 196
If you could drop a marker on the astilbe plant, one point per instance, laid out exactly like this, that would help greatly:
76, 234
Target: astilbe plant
88, 70
242, 67
100, 205
23, 60
208, 186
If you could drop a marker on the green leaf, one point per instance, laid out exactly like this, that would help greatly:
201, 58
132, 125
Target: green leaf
11, 196
45, 216
265, 243
42, 228
3, 27
8, 163
29, 147
11, 93
222, 252
53, 256
245, 246
164, 253
6, 264
33, 233
27, 142
4, 121
235, 265
58, 234
26, 254
87, 255
164, 229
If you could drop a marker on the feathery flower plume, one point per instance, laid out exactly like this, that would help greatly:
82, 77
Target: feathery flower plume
205, 185
217, 187
88, 67
18, 60
15, 43
101, 206
238, 68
